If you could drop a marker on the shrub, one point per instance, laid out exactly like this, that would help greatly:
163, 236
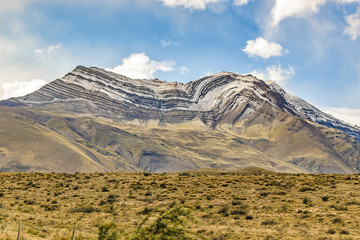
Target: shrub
50, 207
107, 232
306, 200
338, 220
264, 194
249, 217
236, 202
269, 223
136, 186
305, 189
238, 212
146, 211
111, 198
30, 202
83, 209
169, 225
186, 174
339, 208
224, 211
325, 198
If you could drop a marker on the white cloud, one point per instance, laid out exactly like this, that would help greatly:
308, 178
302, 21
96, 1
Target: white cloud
165, 43
301, 8
289, 8
138, 65
345, 114
264, 49
14, 5
192, 4
208, 73
354, 25
278, 74
184, 70
17, 89
259, 74
47, 52
240, 2
274, 73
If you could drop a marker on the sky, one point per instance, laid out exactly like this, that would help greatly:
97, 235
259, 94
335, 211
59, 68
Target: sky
309, 47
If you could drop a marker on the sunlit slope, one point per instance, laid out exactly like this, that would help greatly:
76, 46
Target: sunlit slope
27, 145
43, 141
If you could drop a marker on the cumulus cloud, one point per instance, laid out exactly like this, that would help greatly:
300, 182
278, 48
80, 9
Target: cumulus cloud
274, 73
345, 114
240, 2
17, 89
354, 25
288, 8
260, 47
138, 65
192, 4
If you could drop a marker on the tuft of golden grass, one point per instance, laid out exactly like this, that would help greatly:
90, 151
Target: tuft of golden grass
246, 204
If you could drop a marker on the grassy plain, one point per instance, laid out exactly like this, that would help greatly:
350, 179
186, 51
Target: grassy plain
246, 204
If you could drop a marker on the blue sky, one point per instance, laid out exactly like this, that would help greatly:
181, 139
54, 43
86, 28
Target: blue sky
310, 47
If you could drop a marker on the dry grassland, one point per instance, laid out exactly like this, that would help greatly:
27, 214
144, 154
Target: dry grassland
247, 204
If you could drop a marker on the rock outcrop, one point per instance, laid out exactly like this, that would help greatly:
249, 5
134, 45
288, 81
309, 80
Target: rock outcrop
254, 124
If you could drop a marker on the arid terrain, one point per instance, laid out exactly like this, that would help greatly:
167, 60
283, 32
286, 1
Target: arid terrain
246, 204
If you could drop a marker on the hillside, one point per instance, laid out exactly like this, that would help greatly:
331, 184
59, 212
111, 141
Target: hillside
93, 120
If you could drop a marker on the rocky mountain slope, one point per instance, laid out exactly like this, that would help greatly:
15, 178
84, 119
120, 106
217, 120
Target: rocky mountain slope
109, 122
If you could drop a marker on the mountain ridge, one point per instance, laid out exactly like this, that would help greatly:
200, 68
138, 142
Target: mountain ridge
225, 121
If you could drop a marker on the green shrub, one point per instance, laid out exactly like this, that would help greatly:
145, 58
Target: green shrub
83, 209
338, 220
107, 232
168, 226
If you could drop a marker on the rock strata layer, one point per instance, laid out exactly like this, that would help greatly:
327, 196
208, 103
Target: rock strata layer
255, 123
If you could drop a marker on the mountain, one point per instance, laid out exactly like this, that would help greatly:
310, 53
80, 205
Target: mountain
95, 120
311, 113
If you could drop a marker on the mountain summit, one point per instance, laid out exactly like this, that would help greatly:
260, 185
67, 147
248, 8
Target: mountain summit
108, 122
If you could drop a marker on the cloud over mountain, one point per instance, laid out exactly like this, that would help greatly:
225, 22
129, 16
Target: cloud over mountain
139, 65
260, 47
